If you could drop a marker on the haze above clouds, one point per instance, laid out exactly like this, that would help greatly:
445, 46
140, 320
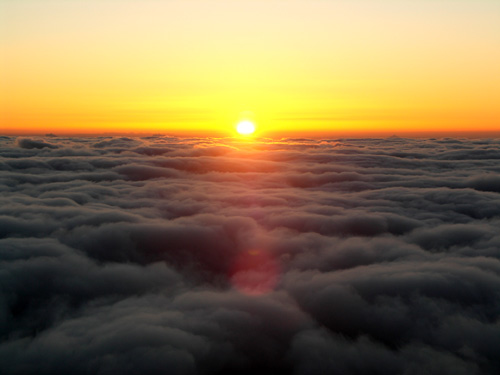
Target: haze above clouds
116, 256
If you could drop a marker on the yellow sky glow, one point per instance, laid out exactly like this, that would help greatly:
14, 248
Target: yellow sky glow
298, 66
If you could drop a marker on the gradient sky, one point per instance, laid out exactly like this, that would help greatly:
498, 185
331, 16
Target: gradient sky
296, 66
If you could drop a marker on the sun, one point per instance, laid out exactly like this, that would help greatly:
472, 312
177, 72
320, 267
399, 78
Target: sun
245, 127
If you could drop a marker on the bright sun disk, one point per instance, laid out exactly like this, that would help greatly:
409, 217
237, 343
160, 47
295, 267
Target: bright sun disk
245, 127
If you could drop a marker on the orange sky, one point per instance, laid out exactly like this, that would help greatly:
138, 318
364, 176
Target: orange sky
196, 67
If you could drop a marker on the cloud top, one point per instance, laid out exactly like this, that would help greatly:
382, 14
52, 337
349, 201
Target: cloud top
184, 256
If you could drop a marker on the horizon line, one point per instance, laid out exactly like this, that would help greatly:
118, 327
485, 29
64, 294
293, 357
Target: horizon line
270, 134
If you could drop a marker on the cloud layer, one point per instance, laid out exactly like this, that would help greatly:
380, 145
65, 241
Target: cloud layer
209, 256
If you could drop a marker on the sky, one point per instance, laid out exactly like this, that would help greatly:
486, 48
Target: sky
165, 255
292, 67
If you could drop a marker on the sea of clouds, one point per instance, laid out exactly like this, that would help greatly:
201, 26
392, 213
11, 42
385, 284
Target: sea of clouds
117, 256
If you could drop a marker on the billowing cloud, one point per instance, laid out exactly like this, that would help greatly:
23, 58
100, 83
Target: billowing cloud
30, 143
353, 256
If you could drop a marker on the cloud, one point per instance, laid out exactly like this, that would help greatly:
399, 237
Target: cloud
31, 143
117, 254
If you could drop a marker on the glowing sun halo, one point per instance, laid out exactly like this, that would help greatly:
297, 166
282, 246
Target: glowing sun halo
245, 127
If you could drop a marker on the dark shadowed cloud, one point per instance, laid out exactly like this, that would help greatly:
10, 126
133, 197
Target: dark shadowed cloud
118, 255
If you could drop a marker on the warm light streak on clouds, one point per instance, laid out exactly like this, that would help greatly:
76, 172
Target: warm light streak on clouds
254, 272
